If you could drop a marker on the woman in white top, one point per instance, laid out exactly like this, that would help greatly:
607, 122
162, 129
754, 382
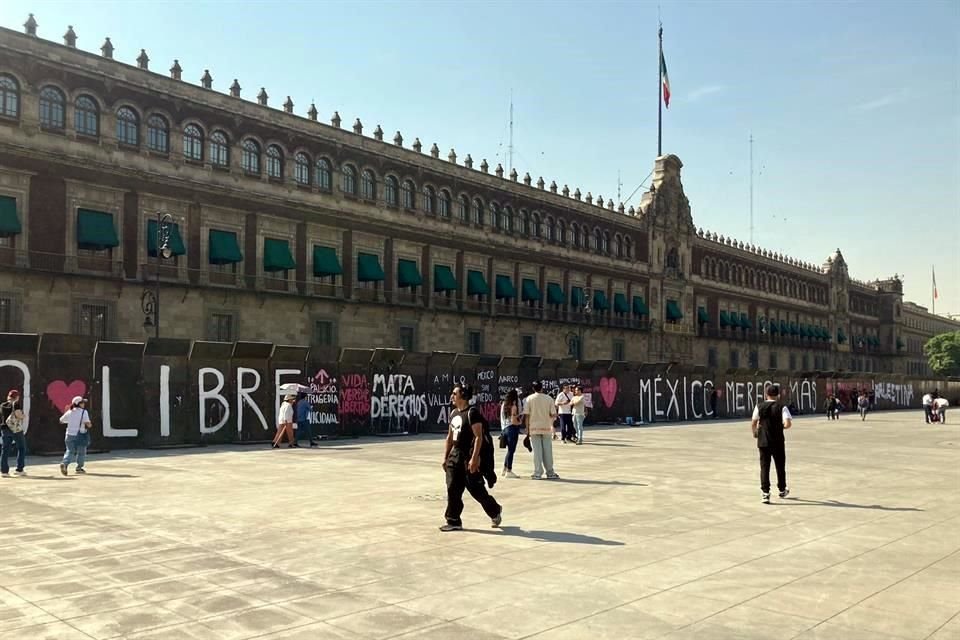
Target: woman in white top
285, 423
77, 439
578, 406
510, 424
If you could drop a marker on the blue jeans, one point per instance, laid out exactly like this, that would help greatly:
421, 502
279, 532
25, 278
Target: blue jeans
76, 448
578, 425
513, 435
304, 428
10, 438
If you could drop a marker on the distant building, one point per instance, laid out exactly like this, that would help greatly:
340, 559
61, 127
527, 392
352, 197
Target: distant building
295, 231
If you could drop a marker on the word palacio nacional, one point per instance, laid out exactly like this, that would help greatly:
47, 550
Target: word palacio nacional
289, 230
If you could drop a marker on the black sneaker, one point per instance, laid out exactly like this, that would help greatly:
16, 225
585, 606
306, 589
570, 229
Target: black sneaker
63, 469
785, 492
766, 498
495, 522
451, 527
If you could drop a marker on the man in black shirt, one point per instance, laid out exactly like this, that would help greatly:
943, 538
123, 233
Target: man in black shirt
770, 418
461, 460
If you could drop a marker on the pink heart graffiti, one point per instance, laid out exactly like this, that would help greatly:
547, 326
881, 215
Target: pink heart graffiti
608, 391
60, 393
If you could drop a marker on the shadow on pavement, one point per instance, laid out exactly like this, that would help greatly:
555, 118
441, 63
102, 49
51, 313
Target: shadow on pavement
612, 483
550, 536
109, 475
844, 505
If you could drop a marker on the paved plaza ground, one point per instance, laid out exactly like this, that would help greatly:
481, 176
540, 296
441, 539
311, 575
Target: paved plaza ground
653, 532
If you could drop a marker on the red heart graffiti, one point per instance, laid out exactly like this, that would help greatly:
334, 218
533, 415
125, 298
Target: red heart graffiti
608, 391
60, 393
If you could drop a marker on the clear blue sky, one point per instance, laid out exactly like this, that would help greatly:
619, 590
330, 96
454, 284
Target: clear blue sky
854, 106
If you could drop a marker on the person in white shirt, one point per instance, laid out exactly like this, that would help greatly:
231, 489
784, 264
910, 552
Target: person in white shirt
77, 438
940, 406
927, 407
539, 412
578, 406
565, 413
285, 424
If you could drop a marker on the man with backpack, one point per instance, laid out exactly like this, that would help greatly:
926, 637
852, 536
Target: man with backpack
11, 434
770, 419
466, 441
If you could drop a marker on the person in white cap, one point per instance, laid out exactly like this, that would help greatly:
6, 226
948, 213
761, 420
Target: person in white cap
285, 423
77, 419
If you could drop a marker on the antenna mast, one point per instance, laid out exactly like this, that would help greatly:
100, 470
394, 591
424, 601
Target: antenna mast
619, 186
510, 147
751, 187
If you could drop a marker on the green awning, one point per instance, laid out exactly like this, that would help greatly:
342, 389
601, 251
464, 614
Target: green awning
824, 334
224, 248
325, 262
875, 341
702, 316
794, 329
477, 284
600, 302
505, 288
175, 242
620, 304
555, 294
673, 310
803, 331
529, 291
724, 319
368, 268
9, 222
576, 298
443, 279
841, 336
408, 275
277, 256
745, 321
900, 344
774, 325
784, 327
95, 230
640, 307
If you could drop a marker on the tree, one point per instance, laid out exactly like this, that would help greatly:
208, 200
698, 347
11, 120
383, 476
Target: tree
943, 352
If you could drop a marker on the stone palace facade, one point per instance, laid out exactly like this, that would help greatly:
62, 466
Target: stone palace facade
286, 229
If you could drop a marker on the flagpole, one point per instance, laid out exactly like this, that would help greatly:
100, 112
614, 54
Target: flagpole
660, 96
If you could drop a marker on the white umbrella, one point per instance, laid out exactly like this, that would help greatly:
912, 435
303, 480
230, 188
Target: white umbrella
293, 388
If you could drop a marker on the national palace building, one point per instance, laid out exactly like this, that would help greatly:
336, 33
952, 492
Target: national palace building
286, 229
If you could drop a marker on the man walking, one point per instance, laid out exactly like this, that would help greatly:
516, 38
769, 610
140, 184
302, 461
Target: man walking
565, 411
927, 406
539, 414
461, 460
11, 434
770, 418
302, 412
863, 404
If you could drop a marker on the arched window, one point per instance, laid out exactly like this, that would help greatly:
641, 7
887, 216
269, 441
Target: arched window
553, 229
349, 180
444, 202
250, 158
508, 220
584, 238
597, 241
463, 208
368, 185
53, 109
537, 227
193, 143
525, 227
158, 134
575, 235
605, 247
128, 127
628, 247
408, 195
324, 174
303, 167
619, 246
86, 116
274, 162
219, 150
9, 97
496, 219
478, 217
561, 231
429, 200
392, 192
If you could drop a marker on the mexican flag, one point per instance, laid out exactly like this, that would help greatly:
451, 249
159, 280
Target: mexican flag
664, 80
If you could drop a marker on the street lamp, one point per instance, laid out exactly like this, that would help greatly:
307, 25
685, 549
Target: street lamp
587, 309
150, 300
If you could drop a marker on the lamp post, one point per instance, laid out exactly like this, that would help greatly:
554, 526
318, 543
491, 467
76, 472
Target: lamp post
587, 309
150, 300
